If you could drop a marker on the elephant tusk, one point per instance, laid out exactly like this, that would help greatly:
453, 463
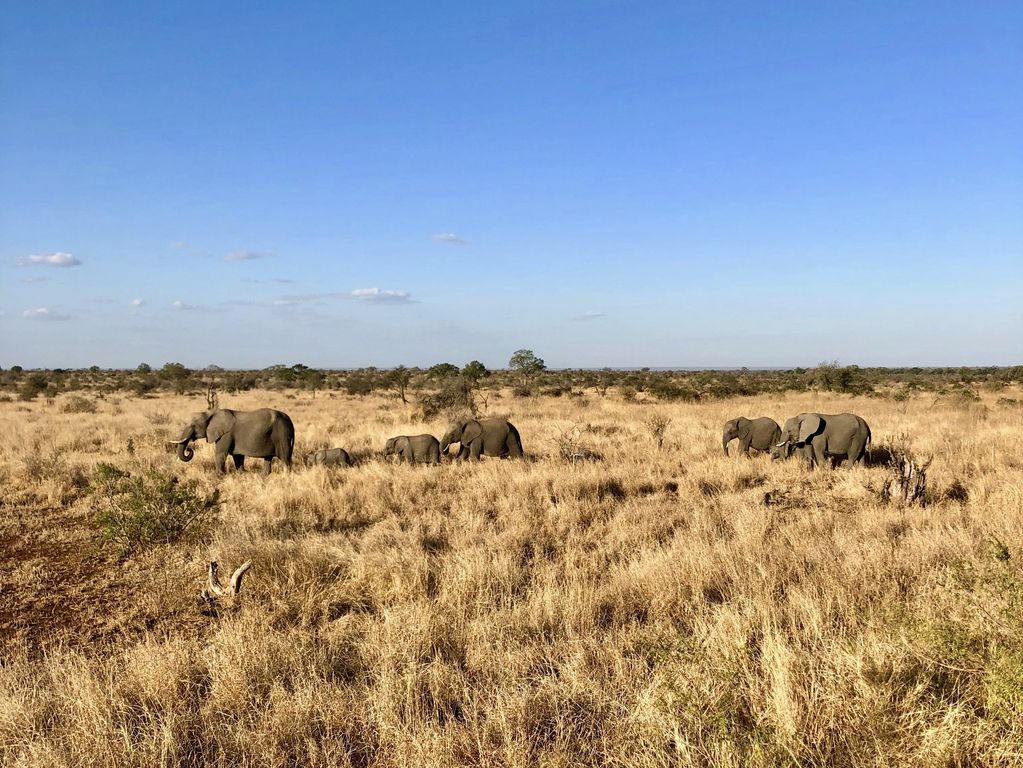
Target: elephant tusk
779, 445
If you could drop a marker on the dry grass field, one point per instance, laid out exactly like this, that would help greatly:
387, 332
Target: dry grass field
655, 606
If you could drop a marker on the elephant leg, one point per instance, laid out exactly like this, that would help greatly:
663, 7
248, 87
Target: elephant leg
820, 458
219, 459
267, 464
239, 461
857, 452
744, 446
514, 447
475, 450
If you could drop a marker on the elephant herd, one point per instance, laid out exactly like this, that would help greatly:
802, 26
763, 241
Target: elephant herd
267, 434
817, 437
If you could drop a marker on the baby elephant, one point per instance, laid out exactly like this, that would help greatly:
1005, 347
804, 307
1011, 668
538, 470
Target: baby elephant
760, 434
329, 457
415, 449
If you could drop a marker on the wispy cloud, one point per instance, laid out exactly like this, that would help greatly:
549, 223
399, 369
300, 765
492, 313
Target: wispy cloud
244, 255
362, 295
137, 302
450, 238
380, 296
271, 280
45, 313
180, 245
182, 306
36, 279
49, 260
591, 315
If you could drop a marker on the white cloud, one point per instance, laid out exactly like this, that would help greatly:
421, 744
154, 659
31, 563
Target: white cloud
137, 302
180, 245
450, 238
244, 255
591, 315
36, 279
49, 260
380, 296
182, 306
45, 313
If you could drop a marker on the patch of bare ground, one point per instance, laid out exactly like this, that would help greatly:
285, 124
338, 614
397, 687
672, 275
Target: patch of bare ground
62, 587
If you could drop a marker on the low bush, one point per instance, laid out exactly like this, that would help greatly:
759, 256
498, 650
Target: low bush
78, 404
138, 512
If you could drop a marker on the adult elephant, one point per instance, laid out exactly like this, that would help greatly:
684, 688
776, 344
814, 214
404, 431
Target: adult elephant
261, 434
820, 436
483, 437
415, 449
760, 434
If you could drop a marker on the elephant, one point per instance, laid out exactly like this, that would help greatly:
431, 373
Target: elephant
260, 434
415, 449
760, 434
820, 436
487, 437
329, 457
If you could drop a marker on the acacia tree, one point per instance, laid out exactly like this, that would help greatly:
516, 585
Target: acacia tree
525, 362
399, 378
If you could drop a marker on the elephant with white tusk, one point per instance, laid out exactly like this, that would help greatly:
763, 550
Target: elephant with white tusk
759, 434
820, 436
262, 434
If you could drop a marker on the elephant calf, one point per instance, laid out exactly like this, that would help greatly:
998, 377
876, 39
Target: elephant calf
759, 434
415, 449
329, 457
821, 436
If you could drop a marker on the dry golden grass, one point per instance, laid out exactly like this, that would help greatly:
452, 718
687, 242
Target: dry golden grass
656, 607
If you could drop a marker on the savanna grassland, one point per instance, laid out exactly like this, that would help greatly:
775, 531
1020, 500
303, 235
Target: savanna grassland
610, 601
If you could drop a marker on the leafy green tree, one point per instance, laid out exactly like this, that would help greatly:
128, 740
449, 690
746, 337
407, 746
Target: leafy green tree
474, 371
144, 368
441, 371
525, 362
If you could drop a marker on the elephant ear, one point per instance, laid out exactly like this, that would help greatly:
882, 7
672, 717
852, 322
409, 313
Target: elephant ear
471, 431
742, 426
221, 423
809, 425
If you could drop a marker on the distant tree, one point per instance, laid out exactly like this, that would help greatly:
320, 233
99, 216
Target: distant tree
34, 384
94, 369
474, 371
399, 378
177, 375
603, 381
144, 368
174, 372
526, 363
441, 371
17, 369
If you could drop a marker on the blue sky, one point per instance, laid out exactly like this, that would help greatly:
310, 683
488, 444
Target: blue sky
606, 183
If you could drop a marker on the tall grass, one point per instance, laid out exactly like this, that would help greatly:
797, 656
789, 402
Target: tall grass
655, 604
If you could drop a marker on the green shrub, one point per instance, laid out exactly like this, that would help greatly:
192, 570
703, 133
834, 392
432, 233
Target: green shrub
136, 512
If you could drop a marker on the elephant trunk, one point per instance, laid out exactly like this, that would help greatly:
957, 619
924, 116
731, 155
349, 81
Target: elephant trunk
185, 452
725, 439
